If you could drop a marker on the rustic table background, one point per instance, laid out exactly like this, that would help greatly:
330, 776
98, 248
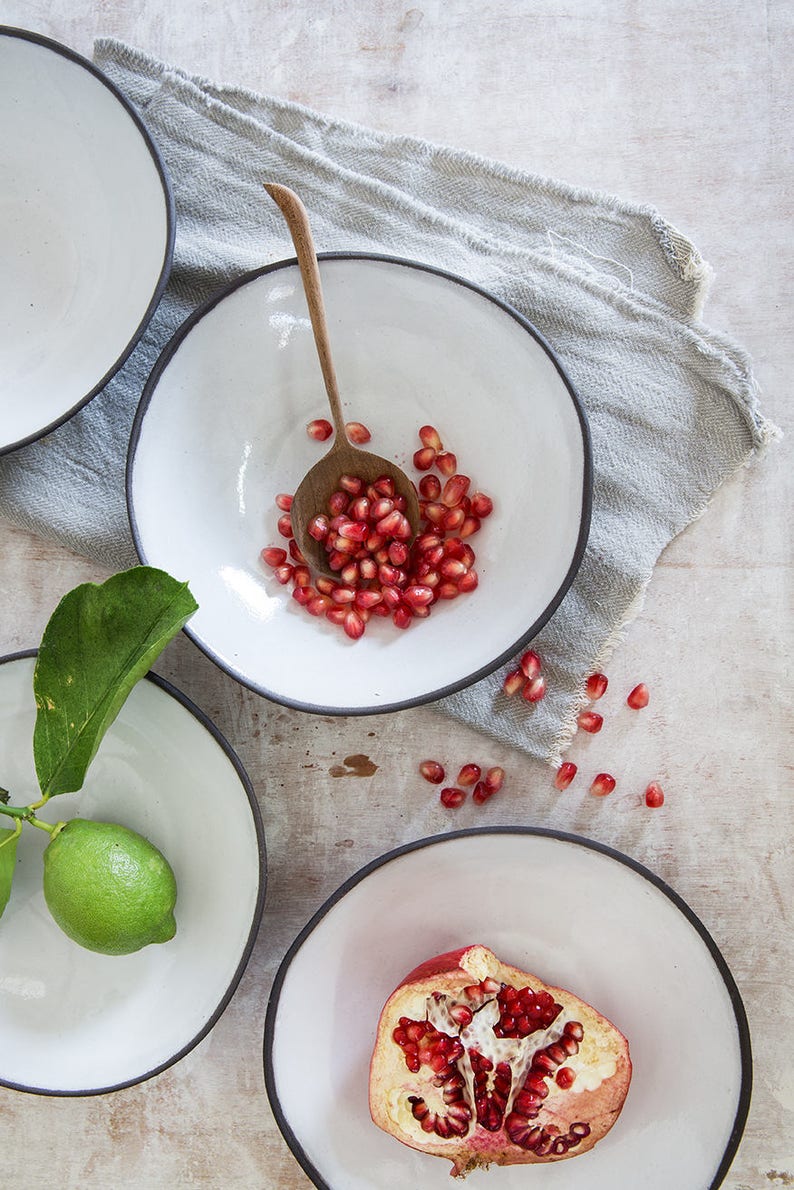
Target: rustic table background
681, 105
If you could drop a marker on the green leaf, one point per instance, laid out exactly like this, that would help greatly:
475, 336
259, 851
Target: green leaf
100, 640
8, 858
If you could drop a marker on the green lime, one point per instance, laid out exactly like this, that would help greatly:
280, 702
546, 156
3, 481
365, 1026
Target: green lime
108, 888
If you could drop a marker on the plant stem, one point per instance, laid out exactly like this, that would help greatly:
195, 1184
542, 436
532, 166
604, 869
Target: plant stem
50, 827
15, 835
15, 811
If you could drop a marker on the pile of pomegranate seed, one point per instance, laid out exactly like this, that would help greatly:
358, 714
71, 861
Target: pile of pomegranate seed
470, 776
368, 539
527, 679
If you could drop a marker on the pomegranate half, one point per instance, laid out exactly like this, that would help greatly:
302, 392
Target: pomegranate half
481, 1063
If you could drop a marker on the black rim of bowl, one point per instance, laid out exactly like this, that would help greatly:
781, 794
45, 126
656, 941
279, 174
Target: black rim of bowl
64, 51
256, 816
587, 485
745, 1051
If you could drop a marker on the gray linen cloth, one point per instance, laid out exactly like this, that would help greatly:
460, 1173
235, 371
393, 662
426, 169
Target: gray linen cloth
616, 290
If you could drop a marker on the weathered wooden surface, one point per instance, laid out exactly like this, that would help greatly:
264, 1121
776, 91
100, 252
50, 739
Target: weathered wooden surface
680, 108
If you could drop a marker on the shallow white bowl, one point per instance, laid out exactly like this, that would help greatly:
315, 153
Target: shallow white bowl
221, 429
577, 914
77, 1023
87, 233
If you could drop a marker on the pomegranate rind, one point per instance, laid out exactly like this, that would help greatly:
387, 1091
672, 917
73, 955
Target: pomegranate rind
603, 1067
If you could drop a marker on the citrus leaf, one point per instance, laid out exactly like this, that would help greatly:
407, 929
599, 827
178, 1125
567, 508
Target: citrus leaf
8, 856
100, 640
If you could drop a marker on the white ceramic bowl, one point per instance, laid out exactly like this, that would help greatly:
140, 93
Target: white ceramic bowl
221, 429
577, 914
87, 233
77, 1023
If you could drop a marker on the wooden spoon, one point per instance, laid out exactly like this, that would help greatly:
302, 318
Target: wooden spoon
343, 458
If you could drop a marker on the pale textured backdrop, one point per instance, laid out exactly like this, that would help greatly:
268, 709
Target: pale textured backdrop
687, 112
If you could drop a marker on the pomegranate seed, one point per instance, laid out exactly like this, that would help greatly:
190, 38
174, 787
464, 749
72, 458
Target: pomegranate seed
432, 771
429, 436
468, 581
341, 594
530, 663
494, 779
352, 484
654, 795
453, 521
565, 1077
284, 525
301, 576
273, 556
639, 697
349, 574
284, 573
357, 432
319, 429
454, 490
284, 501
603, 783
535, 689
365, 600
452, 568
430, 487
596, 686
590, 721
461, 1014
481, 505
418, 596
338, 502
481, 793
565, 774
360, 508
447, 463
402, 616
353, 625
302, 594
318, 527
471, 525
384, 485
354, 531
447, 590
469, 774
514, 682
319, 605
423, 459
336, 614
452, 798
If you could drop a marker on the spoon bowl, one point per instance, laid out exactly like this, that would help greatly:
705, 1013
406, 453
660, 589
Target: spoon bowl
343, 458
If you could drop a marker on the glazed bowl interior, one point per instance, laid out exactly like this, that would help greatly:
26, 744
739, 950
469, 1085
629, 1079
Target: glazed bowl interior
221, 430
73, 1022
87, 233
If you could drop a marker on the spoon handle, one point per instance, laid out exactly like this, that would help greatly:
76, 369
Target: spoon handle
297, 219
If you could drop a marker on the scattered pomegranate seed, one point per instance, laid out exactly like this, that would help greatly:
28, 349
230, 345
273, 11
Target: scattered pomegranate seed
565, 774
494, 779
284, 573
596, 686
590, 721
446, 462
603, 783
530, 664
452, 797
424, 458
429, 436
284, 525
273, 556
639, 697
284, 501
357, 432
535, 689
654, 795
514, 681
319, 429
481, 505
481, 793
469, 774
565, 1077
432, 771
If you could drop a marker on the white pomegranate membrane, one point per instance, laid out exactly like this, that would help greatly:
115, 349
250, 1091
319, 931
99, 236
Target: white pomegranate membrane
367, 536
481, 1063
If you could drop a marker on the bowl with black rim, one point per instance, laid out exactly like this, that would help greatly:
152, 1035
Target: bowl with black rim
221, 431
